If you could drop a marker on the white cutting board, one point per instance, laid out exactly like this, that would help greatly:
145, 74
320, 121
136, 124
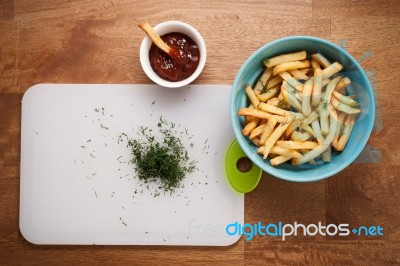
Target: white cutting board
76, 187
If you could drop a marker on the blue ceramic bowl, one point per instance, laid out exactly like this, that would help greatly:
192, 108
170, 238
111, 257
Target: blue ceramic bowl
360, 85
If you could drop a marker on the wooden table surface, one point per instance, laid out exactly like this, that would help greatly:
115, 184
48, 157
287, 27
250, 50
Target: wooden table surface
97, 41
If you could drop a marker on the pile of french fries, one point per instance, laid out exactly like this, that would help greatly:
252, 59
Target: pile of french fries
299, 109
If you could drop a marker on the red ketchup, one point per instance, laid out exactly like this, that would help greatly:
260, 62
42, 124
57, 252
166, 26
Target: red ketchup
170, 69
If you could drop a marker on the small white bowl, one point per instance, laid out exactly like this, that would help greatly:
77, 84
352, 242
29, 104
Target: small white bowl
162, 29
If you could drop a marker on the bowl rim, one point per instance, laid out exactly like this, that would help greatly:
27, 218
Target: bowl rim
145, 46
240, 138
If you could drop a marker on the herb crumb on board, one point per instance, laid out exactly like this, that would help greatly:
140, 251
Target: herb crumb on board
163, 160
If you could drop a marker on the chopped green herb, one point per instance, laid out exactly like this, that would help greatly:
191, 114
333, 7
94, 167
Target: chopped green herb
265, 87
285, 122
324, 104
122, 221
283, 105
165, 162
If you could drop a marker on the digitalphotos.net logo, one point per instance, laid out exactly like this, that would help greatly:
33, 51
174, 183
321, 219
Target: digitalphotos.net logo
297, 229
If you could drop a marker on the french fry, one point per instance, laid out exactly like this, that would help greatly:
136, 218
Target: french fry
289, 97
291, 81
276, 134
260, 114
251, 126
308, 129
321, 60
273, 101
293, 127
345, 99
340, 87
321, 147
313, 162
273, 109
325, 82
298, 74
265, 96
326, 155
338, 131
306, 100
300, 136
325, 101
310, 118
276, 60
317, 87
274, 82
317, 131
296, 145
262, 82
268, 129
314, 64
344, 108
285, 152
290, 65
296, 115
280, 151
348, 127
248, 118
252, 96
254, 113
329, 89
257, 131
332, 69
305, 71
279, 159
256, 141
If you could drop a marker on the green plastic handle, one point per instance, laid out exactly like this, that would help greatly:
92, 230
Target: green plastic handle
242, 182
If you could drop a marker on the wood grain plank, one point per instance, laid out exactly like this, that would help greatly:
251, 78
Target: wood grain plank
164, 9
323, 253
10, 121
23, 253
345, 9
83, 51
9, 56
365, 196
7, 10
